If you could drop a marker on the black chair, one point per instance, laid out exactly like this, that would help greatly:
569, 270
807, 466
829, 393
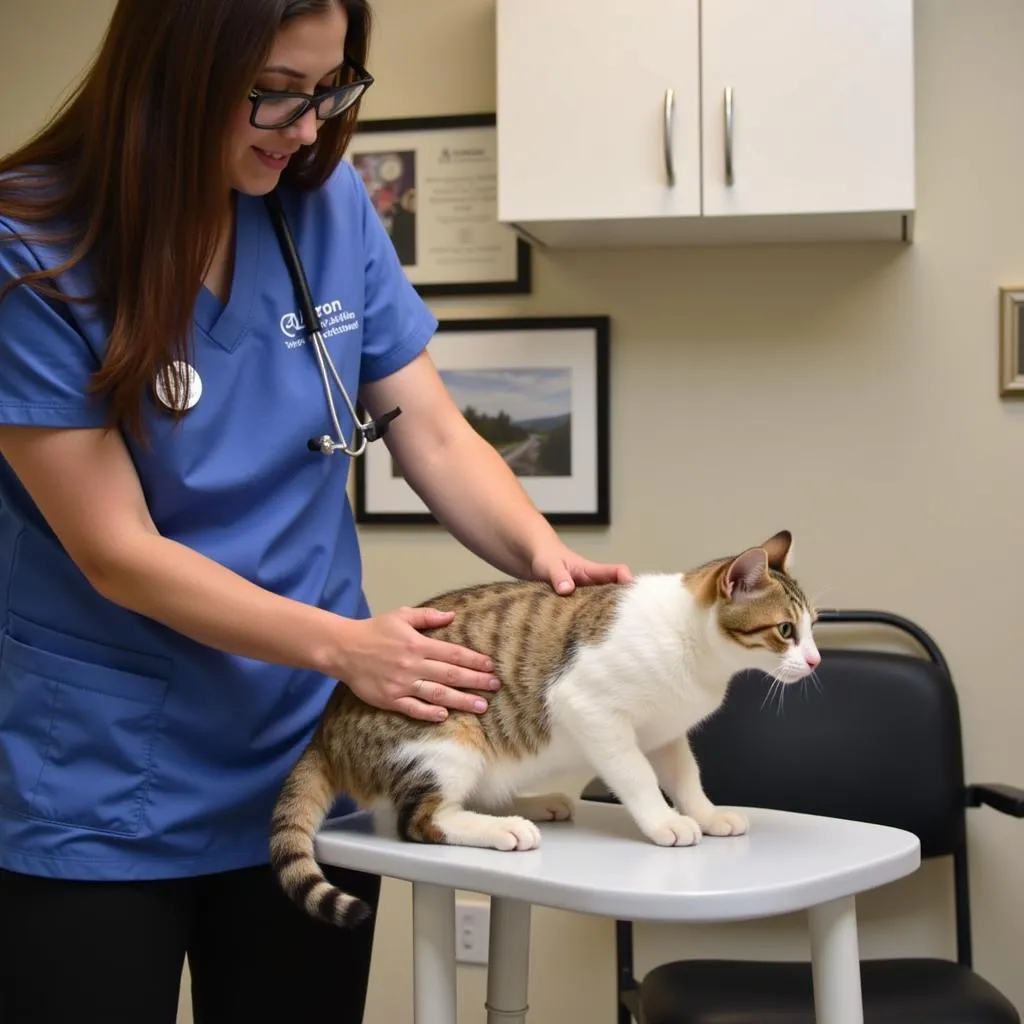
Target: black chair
879, 740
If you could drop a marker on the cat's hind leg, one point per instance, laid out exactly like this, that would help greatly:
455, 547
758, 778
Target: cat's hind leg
439, 778
541, 807
544, 807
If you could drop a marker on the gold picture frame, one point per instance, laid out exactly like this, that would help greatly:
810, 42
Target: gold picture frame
1011, 340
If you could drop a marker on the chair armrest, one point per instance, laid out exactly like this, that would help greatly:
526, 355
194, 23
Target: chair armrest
1004, 798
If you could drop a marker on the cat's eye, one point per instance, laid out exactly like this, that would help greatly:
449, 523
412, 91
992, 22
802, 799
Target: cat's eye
785, 630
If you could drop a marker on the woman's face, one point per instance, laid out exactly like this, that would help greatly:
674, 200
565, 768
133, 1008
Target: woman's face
307, 52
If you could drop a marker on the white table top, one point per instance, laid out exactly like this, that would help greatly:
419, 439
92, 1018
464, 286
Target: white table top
601, 864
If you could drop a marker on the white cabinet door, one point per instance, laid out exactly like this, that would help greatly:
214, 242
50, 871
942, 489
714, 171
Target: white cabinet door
581, 102
822, 106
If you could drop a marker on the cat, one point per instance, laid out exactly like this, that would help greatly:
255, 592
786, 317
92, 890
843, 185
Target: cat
611, 677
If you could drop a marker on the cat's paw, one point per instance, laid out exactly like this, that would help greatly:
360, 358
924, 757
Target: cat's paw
512, 833
725, 823
547, 807
673, 829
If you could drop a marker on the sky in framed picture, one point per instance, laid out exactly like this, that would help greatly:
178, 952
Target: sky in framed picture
537, 390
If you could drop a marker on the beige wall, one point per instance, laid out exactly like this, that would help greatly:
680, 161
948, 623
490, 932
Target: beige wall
865, 418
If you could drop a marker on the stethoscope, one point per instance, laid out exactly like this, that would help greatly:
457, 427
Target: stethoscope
363, 431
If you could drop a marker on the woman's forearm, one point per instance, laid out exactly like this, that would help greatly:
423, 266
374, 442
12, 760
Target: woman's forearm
462, 479
195, 596
480, 501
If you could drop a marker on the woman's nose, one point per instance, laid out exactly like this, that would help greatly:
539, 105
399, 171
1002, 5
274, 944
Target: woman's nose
306, 128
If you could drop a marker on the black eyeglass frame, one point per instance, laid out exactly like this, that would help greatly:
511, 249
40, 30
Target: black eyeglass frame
257, 96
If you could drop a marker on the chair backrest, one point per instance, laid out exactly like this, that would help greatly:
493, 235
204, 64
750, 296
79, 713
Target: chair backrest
878, 739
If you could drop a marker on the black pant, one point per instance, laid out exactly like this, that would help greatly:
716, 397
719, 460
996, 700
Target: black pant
113, 952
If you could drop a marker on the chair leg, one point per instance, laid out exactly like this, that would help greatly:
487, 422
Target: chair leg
626, 995
629, 1006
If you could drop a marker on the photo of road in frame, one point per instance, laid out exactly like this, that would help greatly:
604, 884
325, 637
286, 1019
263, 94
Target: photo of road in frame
536, 389
525, 413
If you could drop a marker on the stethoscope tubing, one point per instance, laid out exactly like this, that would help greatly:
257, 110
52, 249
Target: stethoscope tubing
362, 431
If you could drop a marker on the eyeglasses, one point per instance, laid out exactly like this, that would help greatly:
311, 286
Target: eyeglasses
272, 109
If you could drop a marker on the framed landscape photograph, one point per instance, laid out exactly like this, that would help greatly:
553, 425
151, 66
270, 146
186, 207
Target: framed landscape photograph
1011, 336
536, 388
434, 184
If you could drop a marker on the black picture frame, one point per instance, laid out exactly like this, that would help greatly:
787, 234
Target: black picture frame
495, 251
566, 417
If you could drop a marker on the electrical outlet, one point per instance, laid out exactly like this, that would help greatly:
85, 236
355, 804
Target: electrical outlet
472, 931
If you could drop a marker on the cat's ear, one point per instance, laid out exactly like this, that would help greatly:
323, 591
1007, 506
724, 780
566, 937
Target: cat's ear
779, 550
745, 576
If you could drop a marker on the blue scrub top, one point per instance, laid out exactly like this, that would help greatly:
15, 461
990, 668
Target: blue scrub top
128, 751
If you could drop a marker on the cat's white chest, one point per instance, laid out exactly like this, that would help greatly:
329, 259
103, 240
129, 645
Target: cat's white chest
674, 718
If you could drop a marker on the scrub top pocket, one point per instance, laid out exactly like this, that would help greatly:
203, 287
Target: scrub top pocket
77, 736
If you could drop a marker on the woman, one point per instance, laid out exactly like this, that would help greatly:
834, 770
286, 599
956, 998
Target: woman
180, 581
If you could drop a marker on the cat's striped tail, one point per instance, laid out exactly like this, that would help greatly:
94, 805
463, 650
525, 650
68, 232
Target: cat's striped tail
306, 797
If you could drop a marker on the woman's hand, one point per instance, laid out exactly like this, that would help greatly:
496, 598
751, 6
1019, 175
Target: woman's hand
565, 570
390, 664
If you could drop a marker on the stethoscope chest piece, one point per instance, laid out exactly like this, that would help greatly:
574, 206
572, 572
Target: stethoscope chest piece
178, 386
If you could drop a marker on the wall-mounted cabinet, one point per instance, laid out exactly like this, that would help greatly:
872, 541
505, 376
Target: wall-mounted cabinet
673, 122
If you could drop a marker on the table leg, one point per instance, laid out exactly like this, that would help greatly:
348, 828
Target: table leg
835, 962
508, 957
435, 991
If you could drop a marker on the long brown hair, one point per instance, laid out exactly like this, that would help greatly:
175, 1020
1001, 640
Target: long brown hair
130, 175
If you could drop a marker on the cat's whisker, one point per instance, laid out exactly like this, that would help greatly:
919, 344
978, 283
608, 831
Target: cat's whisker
777, 689
770, 691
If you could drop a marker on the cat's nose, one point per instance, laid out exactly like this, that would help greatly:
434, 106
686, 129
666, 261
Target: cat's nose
813, 659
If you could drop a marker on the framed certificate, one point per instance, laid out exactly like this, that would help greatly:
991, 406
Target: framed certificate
433, 182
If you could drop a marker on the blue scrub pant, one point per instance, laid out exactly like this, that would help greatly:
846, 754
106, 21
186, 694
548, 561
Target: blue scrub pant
113, 952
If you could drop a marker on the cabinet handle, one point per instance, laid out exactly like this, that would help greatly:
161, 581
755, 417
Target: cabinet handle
728, 135
670, 106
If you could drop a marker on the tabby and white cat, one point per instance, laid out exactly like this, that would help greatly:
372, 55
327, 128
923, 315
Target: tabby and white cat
610, 678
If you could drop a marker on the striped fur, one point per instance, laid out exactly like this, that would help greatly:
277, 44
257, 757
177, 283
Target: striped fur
611, 677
